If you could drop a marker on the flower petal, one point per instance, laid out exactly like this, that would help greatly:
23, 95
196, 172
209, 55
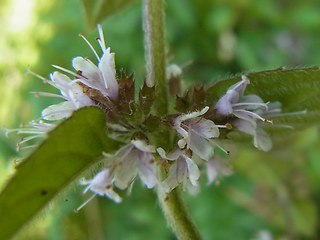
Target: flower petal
200, 146
107, 68
171, 156
177, 173
148, 170
245, 126
92, 74
262, 140
193, 171
143, 146
204, 127
58, 111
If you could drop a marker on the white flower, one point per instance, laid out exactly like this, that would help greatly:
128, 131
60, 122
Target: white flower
102, 185
197, 133
101, 77
70, 91
183, 170
131, 160
215, 167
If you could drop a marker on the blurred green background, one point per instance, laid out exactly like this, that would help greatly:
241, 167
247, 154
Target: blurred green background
277, 192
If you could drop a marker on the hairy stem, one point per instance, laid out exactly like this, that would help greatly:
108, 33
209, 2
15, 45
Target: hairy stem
176, 214
153, 25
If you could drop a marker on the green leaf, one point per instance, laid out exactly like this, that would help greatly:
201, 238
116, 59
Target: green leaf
71, 148
96, 10
296, 89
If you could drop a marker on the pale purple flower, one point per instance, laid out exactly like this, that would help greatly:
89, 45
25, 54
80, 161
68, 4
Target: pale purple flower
102, 185
216, 167
131, 160
182, 171
196, 131
261, 139
243, 107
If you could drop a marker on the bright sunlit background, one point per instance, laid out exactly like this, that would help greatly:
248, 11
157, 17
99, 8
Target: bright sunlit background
274, 193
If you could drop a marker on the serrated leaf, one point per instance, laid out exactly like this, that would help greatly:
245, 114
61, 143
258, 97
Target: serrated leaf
296, 89
96, 10
72, 147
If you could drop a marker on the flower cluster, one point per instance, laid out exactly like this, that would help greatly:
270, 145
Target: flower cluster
195, 132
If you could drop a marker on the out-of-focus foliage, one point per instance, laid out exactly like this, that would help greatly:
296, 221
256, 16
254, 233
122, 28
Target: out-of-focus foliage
277, 191
97, 10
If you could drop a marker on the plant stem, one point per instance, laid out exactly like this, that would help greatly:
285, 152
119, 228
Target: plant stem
176, 212
153, 24
177, 216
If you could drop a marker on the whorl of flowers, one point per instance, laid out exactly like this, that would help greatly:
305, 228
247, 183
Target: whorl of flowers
132, 120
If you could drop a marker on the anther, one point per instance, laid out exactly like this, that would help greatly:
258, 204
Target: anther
164, 163
268, 121
18, 147
228, 126
91, 47
188, 152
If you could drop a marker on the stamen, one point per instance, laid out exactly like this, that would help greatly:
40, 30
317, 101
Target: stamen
18, 147
24, 131
89, 44
245, 78
45, 80
219, 146
279, 114
67, 71
268, 121
102, 44
284, 126
27, 147
265, 105
45, 94
227, 126
188, 152
85, 203
27, 139
252, 114
17, 161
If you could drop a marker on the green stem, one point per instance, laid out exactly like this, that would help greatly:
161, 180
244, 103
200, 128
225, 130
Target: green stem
177, 214
153, 23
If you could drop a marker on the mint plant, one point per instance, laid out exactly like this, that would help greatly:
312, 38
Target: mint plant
165, 139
